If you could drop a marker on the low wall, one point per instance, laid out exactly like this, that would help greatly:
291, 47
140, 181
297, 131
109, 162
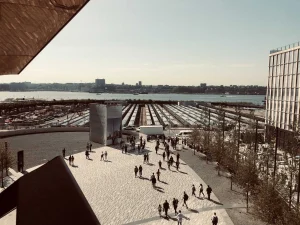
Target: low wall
11, 133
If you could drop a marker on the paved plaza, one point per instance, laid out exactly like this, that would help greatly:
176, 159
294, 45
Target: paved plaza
117, 197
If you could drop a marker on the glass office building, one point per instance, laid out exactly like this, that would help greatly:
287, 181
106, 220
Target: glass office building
282, 99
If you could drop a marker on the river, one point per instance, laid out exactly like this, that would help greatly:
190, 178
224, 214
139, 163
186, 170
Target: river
49, 95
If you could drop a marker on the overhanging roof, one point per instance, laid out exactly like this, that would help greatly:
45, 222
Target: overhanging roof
27, 26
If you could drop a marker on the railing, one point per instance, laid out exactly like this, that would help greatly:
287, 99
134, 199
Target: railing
296, 44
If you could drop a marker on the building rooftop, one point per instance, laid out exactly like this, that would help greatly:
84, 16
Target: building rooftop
286, 47
26, 27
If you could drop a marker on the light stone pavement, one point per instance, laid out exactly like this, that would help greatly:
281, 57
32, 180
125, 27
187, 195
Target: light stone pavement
117, 197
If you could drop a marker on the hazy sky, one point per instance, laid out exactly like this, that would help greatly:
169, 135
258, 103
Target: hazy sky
176, 42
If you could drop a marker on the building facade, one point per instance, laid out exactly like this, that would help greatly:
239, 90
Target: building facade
100, 83
282, 98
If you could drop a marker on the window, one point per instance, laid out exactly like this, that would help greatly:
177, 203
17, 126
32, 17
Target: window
290, 68
287, 57
294, 68
295, 55
288, 79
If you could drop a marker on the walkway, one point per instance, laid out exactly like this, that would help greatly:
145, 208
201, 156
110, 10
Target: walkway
117, 197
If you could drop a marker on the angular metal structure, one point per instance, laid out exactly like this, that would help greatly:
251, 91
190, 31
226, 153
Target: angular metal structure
48, 195
27, 26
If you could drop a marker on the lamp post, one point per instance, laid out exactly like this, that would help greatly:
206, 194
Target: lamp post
290, 196
298, 186
247, 186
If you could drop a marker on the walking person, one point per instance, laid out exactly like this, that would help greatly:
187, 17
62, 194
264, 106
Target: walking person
193, 190
159, 210
166, 207
177, 156
169, 164
164, 156
185, 198
64, 152
156, 149
153, 180
158, 174
159, 164
101, 156
215, 219
125, 148
87, 155
136, 170
140, 171
177, 165
175, 205
201, 191
145, 158
72, 160
208, 191
180, 216
90, 147
105, 155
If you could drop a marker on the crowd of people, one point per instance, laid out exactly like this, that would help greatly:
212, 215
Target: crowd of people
132, 145
169, 159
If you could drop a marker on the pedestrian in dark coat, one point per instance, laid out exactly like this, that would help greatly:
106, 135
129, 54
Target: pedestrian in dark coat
193, 190
164, 156
136, 170
185, 198
64, 152
159, 164
166, 207
140, 171
158, 174
175, 204
208, 191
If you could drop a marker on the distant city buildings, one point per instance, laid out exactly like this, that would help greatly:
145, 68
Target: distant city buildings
282, 99
100, 83
100, 86
203, 85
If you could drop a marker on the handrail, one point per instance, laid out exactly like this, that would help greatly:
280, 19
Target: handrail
286, 47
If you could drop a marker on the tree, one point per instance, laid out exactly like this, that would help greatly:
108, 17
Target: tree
270, 204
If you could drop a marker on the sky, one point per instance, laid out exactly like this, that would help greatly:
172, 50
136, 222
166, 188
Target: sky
174, 42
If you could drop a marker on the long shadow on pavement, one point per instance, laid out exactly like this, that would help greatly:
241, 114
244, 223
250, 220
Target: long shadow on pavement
218, 203
163, 182
193, 210
182, 172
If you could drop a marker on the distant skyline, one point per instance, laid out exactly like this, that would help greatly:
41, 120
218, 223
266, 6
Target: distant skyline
174, 42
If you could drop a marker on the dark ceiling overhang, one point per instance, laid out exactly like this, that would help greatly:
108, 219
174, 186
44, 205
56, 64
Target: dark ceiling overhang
27, 26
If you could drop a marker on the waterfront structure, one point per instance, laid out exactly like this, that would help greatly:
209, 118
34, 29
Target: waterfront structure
105, 123
282, 99
140, 83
